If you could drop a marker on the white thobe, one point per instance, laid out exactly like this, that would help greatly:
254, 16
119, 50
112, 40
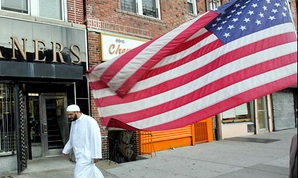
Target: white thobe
85, 140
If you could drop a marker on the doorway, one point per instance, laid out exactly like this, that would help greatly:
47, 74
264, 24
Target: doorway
261, 114
48, 127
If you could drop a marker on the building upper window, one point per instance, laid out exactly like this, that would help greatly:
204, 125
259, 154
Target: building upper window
192, 6
15, 5
53, 9
142, 7
212, 4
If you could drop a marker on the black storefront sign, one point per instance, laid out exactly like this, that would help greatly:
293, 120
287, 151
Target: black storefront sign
37, 50
11, 69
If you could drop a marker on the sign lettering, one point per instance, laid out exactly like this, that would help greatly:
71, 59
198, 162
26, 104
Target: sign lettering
57, 52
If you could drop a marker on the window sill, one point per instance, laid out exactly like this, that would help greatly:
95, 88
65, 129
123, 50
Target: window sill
192, 14
140, 16
10, 153
237, 122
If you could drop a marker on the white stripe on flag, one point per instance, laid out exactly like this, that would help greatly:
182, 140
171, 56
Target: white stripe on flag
221, 72
193, 65
176, 57
215, 97
147, 53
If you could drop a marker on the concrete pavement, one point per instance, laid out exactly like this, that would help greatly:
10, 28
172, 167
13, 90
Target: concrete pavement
263, 156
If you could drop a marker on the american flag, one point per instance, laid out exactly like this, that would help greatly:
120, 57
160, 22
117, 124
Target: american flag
241, 51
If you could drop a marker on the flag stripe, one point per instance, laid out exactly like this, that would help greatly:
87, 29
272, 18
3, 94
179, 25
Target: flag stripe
225, 58
211, 46
225, 105
164, 104
203, 36
105, 71
98, 86
181, 80
147, 54
197, 37
205, 66
209, 57
272, 51
216, 97
212, 68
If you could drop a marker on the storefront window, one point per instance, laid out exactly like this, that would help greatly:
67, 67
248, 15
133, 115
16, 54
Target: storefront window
78, 94
82, 95
34, 121
7, 130
241, 113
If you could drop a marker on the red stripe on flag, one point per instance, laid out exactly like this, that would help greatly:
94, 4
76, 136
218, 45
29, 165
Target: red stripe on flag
199, 93
98, 85
213, 83
228, 103
150, 62
118, 64
186, 78
190, 43
229, 57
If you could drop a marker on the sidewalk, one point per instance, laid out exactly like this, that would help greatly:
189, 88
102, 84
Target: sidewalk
262, 156
221, 159
57, 167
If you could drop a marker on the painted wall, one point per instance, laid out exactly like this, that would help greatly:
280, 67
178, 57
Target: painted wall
236, 129
8, 164
283, 109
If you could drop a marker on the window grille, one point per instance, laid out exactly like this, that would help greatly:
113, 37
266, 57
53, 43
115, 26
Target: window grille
7, 125
142, 7
149, 8
152, 12
129, 5
190, 6
212, 4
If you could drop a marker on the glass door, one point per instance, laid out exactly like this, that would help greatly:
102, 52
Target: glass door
261, 114
53, 123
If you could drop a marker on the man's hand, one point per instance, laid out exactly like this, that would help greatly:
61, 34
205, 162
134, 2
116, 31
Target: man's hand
64, 155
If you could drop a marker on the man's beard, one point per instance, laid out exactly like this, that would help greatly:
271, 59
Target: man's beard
74, 118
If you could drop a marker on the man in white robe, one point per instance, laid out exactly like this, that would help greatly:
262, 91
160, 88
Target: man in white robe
85, 140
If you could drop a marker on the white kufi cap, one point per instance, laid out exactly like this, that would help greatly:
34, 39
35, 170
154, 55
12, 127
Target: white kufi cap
72, 108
